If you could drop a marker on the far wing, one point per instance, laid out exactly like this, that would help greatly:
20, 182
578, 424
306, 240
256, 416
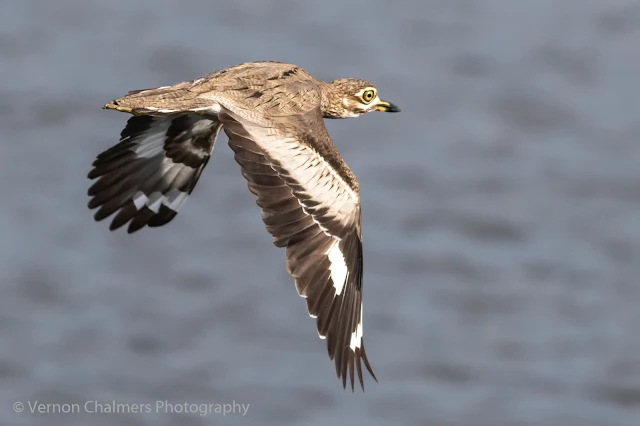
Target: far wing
148, 176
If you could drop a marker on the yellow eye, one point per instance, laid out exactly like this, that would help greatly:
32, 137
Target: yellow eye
368, 96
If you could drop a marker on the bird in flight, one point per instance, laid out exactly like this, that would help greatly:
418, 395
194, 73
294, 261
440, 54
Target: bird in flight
272, 113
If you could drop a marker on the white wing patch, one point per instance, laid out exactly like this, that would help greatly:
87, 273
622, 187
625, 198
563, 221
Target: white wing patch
154, 202
139, 200
152, 142
338, 268
356, 336
174, 200
150, 145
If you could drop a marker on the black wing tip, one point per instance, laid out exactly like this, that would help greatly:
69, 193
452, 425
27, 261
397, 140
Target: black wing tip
115, 225
131, 230
137, 219
352, 382
354, 363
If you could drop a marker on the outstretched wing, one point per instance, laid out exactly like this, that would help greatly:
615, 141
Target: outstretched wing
312, 209
148, 176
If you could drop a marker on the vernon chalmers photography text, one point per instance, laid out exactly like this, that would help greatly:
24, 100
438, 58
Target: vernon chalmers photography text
113, 407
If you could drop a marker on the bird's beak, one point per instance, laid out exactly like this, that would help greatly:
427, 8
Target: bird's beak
387, 107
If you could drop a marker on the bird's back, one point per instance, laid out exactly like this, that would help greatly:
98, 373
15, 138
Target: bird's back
265, 88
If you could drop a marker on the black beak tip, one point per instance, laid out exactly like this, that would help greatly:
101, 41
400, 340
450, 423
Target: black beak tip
393, 108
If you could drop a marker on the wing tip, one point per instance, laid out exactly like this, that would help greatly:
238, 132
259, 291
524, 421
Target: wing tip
353, 366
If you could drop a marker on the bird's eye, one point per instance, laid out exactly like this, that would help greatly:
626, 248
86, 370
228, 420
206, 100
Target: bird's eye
368, 96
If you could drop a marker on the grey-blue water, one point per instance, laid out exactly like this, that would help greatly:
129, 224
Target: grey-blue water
501, 217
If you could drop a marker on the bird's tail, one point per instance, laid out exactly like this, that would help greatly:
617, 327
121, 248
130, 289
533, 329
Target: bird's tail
159, 100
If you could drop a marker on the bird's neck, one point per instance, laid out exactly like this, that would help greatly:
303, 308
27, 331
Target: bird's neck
332, 102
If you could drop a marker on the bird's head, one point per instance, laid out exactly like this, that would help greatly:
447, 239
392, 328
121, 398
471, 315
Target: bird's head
350, 97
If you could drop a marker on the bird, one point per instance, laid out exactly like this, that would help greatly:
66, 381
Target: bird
273, 115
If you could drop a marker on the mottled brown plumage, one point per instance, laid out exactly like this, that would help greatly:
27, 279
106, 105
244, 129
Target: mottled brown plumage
273, 114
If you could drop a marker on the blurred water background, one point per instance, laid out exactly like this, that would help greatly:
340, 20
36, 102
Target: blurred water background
501, 217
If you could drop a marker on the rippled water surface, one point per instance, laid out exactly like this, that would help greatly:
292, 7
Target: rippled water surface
501, 217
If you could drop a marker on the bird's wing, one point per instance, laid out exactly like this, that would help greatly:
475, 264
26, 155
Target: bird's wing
148, 176
312, 208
